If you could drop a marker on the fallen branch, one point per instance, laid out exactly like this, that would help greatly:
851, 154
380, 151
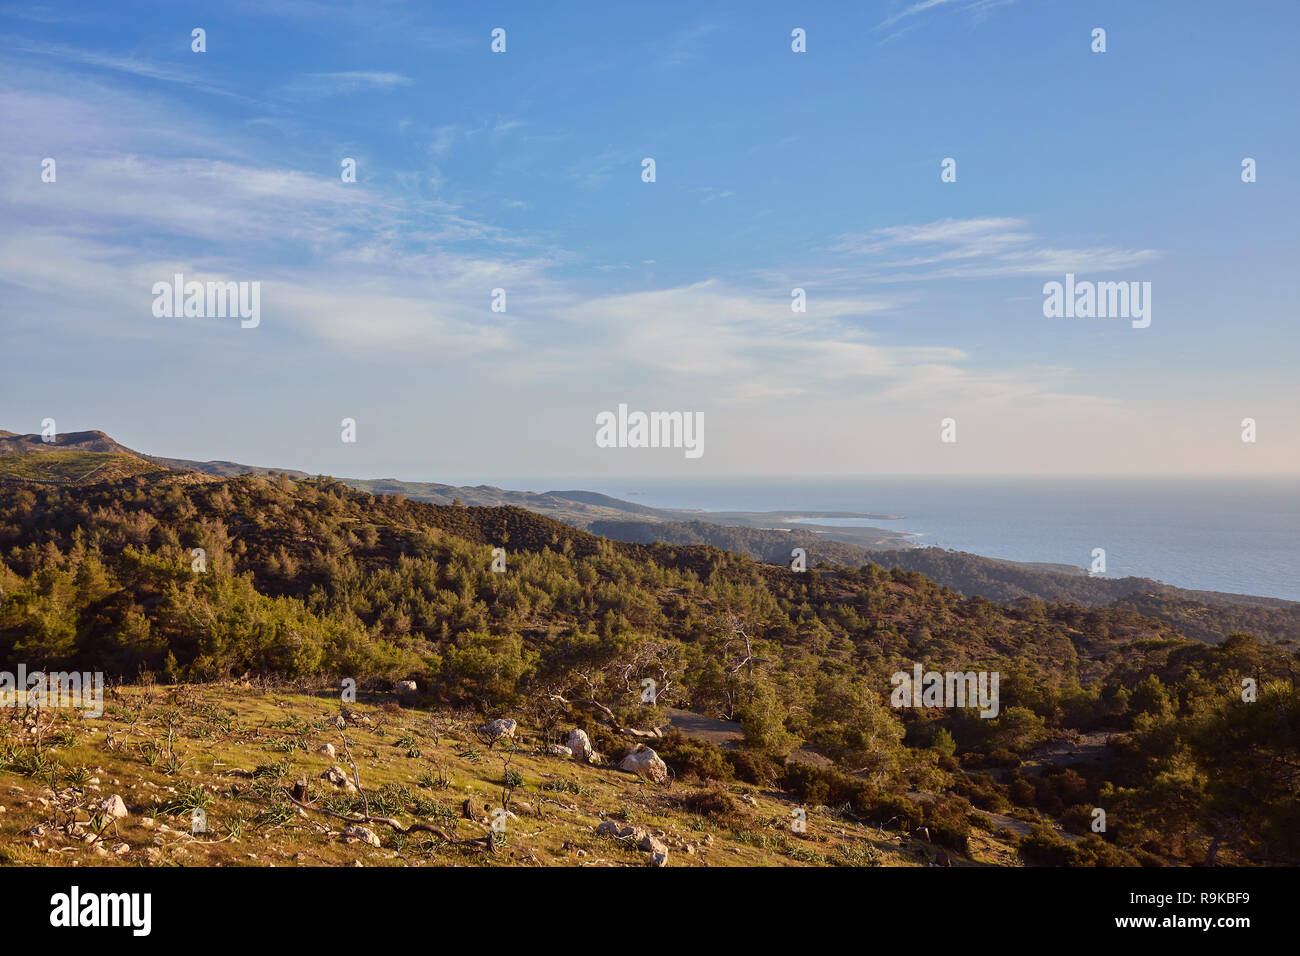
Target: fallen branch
614, 725
484, 842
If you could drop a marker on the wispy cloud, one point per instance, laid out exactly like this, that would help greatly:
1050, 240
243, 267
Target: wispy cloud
350, 81
596, 171
133, 66
683, 46
978, 248
978, 9
379, 274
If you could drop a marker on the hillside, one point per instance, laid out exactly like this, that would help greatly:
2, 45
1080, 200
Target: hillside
766, 536
305, 583
87, 441
236, 753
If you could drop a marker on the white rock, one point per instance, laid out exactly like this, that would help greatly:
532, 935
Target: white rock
580, 744
326, 749
559, 750
338, 776
112, 807
499, 728
354, 833
405, 687
653, 845
647, 763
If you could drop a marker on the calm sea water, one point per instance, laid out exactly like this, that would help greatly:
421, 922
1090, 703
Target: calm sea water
1220, 534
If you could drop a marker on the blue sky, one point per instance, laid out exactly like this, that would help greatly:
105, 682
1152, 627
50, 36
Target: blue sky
775, 170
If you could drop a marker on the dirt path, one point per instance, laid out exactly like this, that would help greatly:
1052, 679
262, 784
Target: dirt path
699, 727
725, 733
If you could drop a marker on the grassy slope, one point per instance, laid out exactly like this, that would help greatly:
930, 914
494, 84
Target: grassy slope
72, 467
224, 733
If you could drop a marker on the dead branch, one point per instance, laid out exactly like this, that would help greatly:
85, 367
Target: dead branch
609, 716
485, 842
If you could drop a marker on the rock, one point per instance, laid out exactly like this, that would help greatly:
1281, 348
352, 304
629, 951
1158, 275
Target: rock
620, 832
499, 729
405, 687
645, 762
659, 859
112, 807
355, 833
632, 834
559, 750
327, 750
338, 776
580, 744
653, 845
120, 848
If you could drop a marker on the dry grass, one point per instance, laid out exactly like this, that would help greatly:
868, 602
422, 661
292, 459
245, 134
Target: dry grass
231, 750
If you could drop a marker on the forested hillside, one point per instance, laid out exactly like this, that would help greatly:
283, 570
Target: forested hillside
308, 580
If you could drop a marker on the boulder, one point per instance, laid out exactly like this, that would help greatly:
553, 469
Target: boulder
645, 762
112, 807
652, 844
405, 687
326, 749
555, 750
580, 744
499, 729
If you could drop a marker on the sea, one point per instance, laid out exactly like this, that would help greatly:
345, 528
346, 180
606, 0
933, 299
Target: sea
1235, 534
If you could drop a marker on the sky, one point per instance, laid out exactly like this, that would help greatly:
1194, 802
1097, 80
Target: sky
774, 170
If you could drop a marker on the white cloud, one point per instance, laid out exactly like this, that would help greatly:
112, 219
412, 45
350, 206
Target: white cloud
978, 248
